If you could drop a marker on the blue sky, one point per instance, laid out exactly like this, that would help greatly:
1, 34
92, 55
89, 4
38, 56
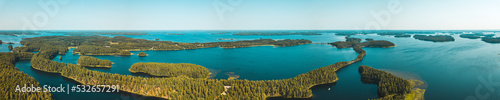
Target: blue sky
250, 15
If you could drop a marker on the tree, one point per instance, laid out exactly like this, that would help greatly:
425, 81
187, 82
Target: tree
10, 47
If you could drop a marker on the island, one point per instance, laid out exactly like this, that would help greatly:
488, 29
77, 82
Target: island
170, 69
119, 45
354, 42
470, 36
88, 61
1, 42
491, 39
434, 38
391, 87
402, 35
476, 35
12, 78
142, 54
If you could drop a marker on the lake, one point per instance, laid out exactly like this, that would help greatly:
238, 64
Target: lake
451, 70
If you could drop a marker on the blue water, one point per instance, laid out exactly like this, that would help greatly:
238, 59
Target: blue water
450, 69
5, 47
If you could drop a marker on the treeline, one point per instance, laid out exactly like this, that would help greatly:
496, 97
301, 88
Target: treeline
24, 55
171, 69
102, 45
95, 50
434, 38
88, 61
388, 84
10, 77
14, 57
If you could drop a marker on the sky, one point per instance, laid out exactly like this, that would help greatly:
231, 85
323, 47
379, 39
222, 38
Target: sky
249, 14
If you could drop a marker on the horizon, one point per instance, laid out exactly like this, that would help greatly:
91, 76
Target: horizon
265, 30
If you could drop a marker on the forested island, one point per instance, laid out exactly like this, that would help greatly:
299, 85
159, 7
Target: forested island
470, 36
476, 35
491, 39
434, 38
10, 77
391, 87
88, 61
355, 43
119, 45
171, 69
275, 33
